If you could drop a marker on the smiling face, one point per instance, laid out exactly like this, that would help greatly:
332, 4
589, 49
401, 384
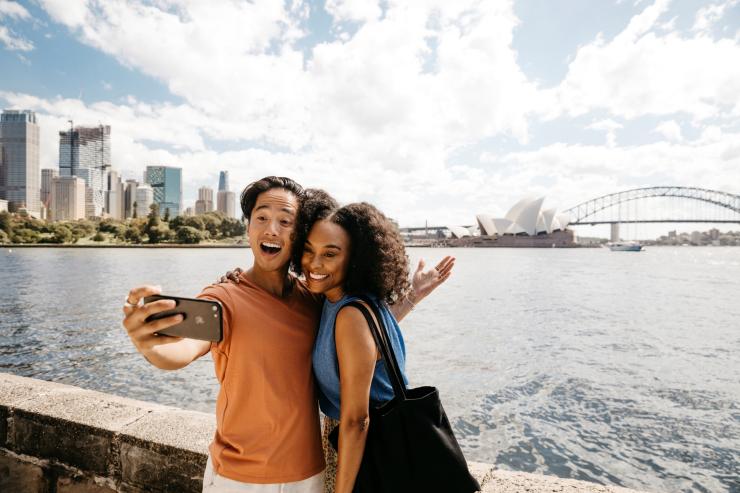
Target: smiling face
326, 259
270, 229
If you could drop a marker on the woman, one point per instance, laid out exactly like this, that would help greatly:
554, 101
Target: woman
349, 251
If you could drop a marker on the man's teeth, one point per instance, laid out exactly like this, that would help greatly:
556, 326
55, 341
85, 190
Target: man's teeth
270, 245
318, 277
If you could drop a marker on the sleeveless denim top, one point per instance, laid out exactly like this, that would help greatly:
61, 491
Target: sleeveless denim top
326, 365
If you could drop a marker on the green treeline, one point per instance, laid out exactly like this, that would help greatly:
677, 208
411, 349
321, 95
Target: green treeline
15, 228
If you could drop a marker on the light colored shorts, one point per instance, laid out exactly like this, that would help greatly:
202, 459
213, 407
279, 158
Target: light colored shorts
213, 483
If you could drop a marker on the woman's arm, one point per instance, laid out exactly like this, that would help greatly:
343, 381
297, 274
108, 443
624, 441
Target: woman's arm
357, 355
422, 284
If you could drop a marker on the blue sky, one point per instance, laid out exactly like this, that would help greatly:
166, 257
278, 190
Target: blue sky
432, 110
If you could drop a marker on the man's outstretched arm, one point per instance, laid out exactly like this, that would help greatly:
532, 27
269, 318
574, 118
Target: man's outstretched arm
164, 352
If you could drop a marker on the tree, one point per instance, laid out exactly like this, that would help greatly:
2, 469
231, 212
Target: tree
167, 215
135, 215
231, 227
5, 222
61, 234
98, 237
212, 222
4, 238
133, 234
188, 235
25, 235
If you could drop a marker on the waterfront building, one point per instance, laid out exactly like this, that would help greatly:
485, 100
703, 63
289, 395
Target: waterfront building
129, 198
205, 200
144, 199
67, 198
166, 182
3, 205
223, 181
85, 152
526, 217
189, 211
47, 175
19, 161
114, 200
226, 203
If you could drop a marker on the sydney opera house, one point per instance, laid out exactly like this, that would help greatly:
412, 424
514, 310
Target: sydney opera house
526, 224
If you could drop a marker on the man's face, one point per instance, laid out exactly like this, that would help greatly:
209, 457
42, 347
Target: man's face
271, 227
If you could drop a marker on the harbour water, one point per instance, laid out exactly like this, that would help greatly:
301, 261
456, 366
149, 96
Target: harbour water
614, 367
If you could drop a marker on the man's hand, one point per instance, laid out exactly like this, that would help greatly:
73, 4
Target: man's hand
162, 351
424, 282
232, 275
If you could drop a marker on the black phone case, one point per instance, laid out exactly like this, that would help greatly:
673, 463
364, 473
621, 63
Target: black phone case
203, 318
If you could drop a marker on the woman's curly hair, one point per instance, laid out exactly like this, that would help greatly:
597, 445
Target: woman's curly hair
314, 205
378, 263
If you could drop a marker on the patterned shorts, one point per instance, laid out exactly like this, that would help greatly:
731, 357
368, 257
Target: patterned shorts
329, 454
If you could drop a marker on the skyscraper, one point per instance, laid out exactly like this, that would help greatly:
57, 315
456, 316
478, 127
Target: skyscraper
226, 202
144, 198
205, 200
67, 198
19, 160
166, 181
129, 198
223, 181
114, 196
85, 152
47, 175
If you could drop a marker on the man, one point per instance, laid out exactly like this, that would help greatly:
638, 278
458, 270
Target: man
267, 424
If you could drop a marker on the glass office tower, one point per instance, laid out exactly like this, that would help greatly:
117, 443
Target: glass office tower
166, 182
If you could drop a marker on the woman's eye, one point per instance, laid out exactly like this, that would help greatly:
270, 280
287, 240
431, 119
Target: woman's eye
330, 255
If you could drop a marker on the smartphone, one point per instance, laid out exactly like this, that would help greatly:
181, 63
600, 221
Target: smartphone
202, 319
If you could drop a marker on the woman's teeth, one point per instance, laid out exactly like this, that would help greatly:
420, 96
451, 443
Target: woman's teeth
317, 277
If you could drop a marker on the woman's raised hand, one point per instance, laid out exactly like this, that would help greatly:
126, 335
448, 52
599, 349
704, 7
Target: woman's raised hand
425, 281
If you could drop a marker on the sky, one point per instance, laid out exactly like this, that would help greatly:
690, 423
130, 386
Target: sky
432, 110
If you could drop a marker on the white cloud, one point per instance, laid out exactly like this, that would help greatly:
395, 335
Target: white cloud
353, 10
14, 42
13, 10
708, 15
670, 129
610, 127
641, 72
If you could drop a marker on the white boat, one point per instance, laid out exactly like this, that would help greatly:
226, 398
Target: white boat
624, 246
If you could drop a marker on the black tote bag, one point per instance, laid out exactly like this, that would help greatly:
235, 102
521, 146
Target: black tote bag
410, 444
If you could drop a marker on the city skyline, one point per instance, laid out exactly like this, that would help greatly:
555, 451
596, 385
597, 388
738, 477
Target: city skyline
430, 110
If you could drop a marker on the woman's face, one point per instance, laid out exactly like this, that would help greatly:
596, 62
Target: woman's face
326, 259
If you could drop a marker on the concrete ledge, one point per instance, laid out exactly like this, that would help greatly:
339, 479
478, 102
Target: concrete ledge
59, 438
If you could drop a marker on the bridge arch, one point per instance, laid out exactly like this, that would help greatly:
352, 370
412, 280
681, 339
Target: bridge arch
587, 212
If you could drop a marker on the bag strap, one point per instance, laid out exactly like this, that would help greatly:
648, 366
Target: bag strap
381, 340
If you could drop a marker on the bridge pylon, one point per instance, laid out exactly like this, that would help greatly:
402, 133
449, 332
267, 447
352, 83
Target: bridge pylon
615, 232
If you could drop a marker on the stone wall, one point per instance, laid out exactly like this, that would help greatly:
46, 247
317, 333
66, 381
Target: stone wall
59, 438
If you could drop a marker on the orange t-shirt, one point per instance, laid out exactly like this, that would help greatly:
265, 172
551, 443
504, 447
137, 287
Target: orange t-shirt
267, 419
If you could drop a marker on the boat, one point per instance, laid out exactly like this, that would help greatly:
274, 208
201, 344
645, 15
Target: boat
624, 246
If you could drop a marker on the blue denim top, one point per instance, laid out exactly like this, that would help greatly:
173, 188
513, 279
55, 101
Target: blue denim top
326, 365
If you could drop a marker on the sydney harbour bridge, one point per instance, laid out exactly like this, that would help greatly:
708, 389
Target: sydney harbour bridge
669, 204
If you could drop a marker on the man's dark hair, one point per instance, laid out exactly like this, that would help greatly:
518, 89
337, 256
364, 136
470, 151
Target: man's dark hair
254, 189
